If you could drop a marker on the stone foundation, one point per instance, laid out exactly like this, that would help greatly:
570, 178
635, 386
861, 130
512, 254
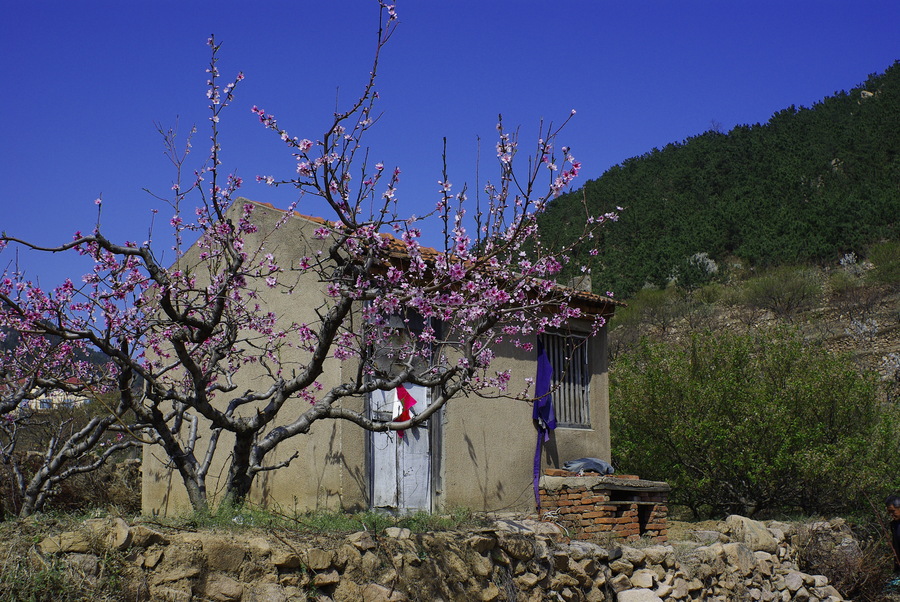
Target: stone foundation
510, 561
596, 507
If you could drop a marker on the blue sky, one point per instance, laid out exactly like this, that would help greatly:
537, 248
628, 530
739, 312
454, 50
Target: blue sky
85, 81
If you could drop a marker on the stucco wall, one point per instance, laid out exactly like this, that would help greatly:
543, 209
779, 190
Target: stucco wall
316, 478
486, 446
489, 444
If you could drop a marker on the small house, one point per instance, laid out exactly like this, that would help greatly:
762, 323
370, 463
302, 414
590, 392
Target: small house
476, 452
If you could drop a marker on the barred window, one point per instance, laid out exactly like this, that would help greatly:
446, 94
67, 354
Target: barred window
569, 357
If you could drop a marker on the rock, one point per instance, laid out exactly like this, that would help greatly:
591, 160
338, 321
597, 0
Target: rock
326, 579
664, 555
266, 592
398, 532
177, 592
751, 532
793, 581
595, 595
144, 537
527, 526
520, 548
620, 583
86, 565
578, 550
362, 540
739, 556
705, 537
527, 580
638, 595
318, 559
663, 590
223, 554
347, 558
480, 543
680, 589
259, 546
829, 591
643, 578
622, 567
481, 566
152, 558
456, 568
285, 559
491, 592
66, 543
441, 566
633, 555
175, 574
777, 533
379, 593
222, 588
347, 591
562, 580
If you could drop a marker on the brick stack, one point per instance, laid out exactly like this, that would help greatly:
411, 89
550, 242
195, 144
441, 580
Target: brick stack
595, 507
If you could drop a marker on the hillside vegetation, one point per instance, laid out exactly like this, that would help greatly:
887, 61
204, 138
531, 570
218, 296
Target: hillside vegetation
809, 186
773, 393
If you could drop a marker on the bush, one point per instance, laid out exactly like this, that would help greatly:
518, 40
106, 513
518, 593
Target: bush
784, 290
885, 256
856, 558
745, 423
660, 308
852, 295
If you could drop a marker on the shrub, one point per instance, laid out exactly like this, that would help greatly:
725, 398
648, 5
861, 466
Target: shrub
852, 295
857, 563
695, 271
744, 423
784, 290
886, 258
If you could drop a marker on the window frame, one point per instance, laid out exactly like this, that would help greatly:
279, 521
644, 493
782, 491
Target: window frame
571, 386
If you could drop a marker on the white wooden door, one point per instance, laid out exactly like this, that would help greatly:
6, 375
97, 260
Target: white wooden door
401, 466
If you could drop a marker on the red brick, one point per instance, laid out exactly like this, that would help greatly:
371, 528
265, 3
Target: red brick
556, 472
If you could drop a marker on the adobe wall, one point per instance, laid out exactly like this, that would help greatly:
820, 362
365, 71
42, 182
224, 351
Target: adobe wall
330, 455
489, 443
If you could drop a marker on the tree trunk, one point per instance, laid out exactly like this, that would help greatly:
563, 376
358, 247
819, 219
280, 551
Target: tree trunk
239, 477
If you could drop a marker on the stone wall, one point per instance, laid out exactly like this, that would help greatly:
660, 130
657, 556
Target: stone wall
589, 507
520, 560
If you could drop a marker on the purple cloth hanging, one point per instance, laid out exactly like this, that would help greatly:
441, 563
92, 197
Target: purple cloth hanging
543, 413
543, 403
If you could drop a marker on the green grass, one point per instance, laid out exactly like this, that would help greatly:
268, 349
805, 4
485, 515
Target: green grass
325, 521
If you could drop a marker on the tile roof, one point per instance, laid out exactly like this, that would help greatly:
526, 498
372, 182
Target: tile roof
589, 301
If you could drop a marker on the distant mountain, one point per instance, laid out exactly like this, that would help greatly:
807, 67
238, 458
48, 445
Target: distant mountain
808, 186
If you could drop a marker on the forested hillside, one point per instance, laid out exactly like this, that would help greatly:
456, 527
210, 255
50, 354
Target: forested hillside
808, 186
